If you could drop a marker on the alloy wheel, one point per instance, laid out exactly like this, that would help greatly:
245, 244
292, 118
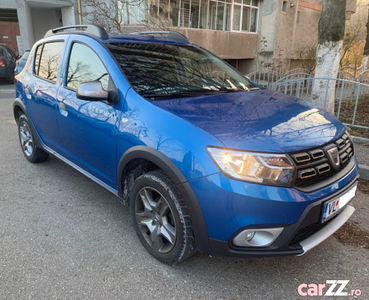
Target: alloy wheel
26, 138
155, 220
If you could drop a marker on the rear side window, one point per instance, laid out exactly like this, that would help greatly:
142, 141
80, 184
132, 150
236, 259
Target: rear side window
85, 65
47, 60
1, 52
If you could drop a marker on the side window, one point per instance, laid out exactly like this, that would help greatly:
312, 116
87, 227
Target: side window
85, 65
37, 59
50, 60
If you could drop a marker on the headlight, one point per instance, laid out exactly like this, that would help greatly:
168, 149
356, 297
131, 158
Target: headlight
263, 168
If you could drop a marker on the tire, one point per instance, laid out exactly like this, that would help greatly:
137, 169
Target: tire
30, 149
161, 219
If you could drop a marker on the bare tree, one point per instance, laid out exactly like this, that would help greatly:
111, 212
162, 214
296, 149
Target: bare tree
366, 47
330, 43
113, 14
350, 41
307, 56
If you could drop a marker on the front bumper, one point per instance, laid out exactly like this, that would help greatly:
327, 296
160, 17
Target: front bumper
232, 207
328, 230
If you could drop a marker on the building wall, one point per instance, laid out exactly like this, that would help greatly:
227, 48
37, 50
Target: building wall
36, 17
306, 35
43, 20
285, 35
225, 44
8, 4
8, 33
9, 30
288, 38
282, 36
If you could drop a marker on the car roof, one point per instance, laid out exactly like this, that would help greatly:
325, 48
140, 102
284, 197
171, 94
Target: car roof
96, 31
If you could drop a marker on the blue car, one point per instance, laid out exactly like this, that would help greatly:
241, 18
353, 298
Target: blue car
19, 64
207, 161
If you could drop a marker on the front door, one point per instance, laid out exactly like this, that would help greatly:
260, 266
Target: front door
88, 129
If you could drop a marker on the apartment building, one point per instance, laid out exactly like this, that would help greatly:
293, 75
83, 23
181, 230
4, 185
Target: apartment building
249, 34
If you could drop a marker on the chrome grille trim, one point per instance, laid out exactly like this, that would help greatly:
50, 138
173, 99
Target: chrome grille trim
315, 154
301, 157
307, 173
323, 168
314, 165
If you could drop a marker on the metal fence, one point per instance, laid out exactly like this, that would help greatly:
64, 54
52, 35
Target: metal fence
264, 78
363, 77
267, 78
351, 97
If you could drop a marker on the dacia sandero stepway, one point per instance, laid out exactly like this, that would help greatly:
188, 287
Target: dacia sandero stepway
207, 160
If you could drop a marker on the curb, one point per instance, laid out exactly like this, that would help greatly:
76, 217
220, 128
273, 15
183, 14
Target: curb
357, 139
363, 169
364, 172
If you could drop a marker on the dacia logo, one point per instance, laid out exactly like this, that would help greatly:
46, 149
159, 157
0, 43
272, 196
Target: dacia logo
334, 156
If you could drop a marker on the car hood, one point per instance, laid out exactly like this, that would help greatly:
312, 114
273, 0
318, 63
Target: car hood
261, 120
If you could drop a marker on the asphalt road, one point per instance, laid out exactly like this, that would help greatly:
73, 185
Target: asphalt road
64, 237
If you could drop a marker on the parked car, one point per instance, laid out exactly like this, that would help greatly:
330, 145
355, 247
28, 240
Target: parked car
207, 161
7, 63
21, 62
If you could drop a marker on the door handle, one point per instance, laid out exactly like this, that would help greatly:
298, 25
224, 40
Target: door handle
63, 109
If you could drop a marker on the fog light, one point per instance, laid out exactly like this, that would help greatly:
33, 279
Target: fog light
249, 236
262, 237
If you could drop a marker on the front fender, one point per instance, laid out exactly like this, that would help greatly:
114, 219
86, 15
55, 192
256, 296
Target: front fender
163, 162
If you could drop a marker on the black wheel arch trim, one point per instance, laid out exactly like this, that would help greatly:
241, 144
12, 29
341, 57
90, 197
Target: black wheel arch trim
176, 176
18, 103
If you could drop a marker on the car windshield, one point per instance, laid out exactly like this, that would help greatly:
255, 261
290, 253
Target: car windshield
161, 71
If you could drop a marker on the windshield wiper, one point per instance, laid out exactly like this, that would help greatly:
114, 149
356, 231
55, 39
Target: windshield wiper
189, 93
158, 96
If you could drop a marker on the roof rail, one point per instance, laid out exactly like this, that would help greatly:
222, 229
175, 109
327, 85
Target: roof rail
91, 29
172, 35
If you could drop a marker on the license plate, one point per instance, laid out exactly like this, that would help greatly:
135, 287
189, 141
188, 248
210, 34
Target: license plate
334, 206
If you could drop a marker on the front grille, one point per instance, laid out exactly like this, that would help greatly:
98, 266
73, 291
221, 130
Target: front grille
319, 164
308, 231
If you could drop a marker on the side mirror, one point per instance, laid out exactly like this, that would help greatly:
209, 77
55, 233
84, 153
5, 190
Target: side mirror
92, 91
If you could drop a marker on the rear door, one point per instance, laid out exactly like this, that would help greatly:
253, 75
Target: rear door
42, 91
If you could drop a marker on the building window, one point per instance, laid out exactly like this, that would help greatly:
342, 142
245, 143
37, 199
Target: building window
225, 15
284, 6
